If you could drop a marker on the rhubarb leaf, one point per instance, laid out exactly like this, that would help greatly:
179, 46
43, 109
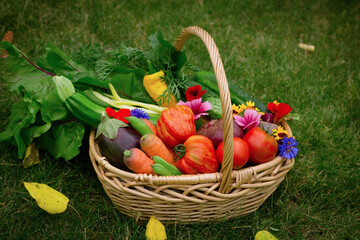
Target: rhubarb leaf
63, 140
53, 109
62, 63
19, 71
21, 128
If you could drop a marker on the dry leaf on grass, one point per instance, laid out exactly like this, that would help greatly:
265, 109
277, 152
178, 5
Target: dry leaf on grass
155, 230
264, 235
9, 35
31, 156
47, 198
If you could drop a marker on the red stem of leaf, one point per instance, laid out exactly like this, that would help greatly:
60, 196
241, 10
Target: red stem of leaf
35, 65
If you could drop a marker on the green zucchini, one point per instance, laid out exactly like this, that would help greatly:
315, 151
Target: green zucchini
84, 109
237, 95
209, 93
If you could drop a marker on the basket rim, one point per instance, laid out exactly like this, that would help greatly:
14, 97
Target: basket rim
185, 178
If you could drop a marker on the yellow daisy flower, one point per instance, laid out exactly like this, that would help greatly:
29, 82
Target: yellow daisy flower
236, 109
279, 133
276, 102
249, 105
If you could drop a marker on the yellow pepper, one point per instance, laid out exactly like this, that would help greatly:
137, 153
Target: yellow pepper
155, 85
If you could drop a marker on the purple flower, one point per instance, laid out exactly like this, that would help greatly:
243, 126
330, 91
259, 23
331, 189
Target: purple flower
139, 113
288, 148
197, 106
250, 120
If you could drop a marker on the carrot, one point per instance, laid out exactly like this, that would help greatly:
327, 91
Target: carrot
174, 156
153, 146
151, 126
137, 161
172, 152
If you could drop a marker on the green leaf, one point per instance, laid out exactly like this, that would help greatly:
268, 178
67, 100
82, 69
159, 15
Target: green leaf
23, 114
63, 139
23, 126
166, 53
30, 133
6, 136
292, 116
126, 84
109, 127
62, 63
43, 64
19, 72
53, 109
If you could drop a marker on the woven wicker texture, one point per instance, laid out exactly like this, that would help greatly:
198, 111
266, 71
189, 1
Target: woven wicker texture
200, 197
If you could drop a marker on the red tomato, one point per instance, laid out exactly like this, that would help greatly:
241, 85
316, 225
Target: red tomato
241, 153
199, 157
262, 146
175, 125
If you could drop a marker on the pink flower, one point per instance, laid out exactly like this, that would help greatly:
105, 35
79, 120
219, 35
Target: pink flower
250, 120
197, 106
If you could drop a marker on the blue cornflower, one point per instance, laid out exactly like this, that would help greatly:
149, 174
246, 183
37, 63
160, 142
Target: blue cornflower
288, 148
139, 113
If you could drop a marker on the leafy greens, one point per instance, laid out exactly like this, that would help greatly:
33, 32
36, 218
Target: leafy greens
40, 116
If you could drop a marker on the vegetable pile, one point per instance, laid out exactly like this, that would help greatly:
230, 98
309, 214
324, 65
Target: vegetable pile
152, 111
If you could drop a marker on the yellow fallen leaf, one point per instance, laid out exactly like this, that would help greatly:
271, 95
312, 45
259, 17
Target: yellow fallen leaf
155, 230
47, 198
264, 235
31, 156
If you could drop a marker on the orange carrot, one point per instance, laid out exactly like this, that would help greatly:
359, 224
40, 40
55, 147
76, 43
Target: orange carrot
172, 152
151, 126
174, 156
137, 161
153, 146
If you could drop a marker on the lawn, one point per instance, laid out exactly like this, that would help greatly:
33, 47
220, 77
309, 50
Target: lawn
258, 42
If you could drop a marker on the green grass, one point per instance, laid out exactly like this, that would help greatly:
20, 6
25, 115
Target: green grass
319, 199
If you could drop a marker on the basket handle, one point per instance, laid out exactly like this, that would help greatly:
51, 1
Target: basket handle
227, 112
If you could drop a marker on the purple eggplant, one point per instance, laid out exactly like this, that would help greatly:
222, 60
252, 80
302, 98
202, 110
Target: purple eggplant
113, 150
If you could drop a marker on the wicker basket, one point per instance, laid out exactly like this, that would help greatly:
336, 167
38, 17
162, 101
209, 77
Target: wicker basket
194, 198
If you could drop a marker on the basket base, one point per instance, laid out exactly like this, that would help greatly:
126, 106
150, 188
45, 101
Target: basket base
189, 212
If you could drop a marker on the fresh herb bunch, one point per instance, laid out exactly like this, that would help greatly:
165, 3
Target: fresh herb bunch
160, 52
